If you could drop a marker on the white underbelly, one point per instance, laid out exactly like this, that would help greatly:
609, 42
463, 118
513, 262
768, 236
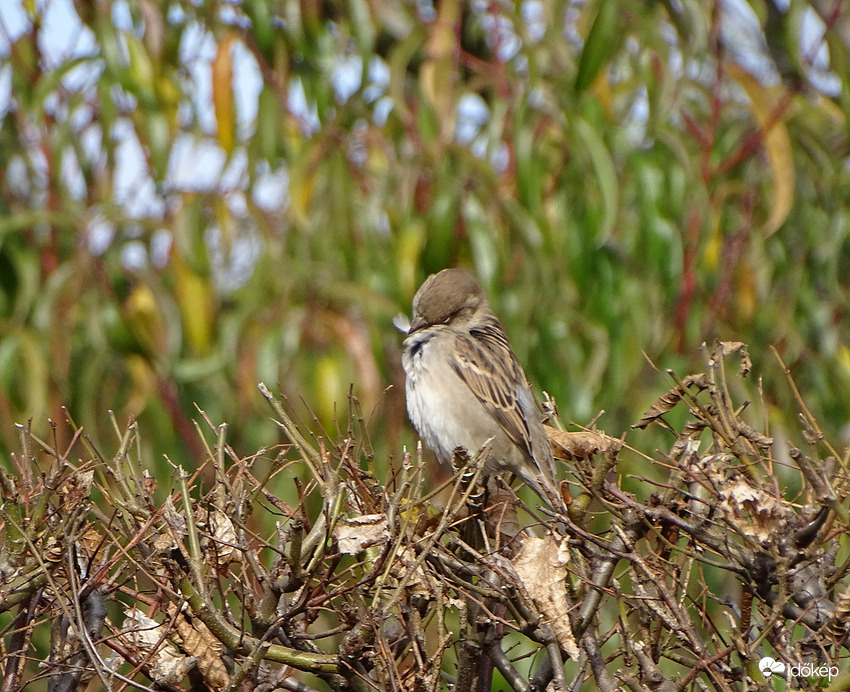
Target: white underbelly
443, 409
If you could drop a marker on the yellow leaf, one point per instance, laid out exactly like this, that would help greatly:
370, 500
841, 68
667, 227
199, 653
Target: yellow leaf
843, 358
301, 190
329, 383
224, 219
777, 144
169, 96
143, 384
144, 320
222, 88
601, 88
159, 142
747, 299
439, 72
141, 68
411, 240
33, 368
711, 253
400, 58
195, 300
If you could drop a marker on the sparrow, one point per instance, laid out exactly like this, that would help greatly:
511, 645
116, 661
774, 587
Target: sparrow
464, 385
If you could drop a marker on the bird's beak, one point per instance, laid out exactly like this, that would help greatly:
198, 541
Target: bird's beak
417, 324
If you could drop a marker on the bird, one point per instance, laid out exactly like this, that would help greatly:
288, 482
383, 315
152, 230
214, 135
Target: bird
464, 386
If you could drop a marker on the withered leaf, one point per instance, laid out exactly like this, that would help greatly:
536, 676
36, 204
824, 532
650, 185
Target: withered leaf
667, 401
355, 534
224, 537
76, 488
417, 581
753, 435
541, 564
581, 445
751, 510
149, 640
723, 349
195, 638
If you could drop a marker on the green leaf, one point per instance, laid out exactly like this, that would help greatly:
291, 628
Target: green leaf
606, 176
603, 37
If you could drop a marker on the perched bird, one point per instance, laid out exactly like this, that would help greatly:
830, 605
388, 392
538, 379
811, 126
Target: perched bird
465, 386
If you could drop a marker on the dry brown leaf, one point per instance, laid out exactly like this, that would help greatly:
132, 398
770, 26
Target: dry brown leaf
758, 439
195, 638
90, 543
417, 583
162, 544
542, 566
150, 483
667, 401
840, 624
148, 637
751, 510
76, 488
92, 550
688, 441
174, 518
224, 538
355, 534
581, 445
53, 550
724, 349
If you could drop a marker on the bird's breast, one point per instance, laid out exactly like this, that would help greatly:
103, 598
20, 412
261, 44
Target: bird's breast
444, 411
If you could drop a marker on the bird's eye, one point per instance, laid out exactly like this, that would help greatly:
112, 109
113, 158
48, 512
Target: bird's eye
450, 317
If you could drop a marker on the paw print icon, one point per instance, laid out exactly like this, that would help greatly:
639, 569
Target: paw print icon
770, 666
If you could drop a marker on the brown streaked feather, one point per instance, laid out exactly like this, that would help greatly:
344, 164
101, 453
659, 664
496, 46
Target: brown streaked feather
487, 365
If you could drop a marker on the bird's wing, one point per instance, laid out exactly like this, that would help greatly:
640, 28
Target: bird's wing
485, 362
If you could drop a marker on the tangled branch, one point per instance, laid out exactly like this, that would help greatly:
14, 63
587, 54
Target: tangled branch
718, 576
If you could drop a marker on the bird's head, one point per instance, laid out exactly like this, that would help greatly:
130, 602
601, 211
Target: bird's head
450, 296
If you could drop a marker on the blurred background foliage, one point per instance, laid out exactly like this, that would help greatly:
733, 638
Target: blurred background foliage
197, 196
